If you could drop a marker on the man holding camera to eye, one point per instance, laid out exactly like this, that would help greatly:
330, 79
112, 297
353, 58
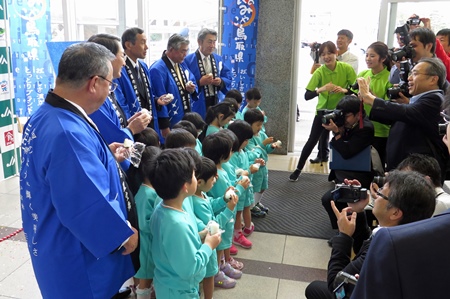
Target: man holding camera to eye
353, 132
406, 197
414, 127
419, 273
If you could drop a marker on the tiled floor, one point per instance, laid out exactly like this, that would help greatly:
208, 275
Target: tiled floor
277, 267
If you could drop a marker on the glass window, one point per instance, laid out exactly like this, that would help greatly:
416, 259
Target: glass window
187, 19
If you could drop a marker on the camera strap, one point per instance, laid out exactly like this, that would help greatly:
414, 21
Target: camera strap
361, 109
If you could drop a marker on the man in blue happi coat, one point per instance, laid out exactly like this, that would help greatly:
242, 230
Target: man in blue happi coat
170, 74
74, 207
212, 76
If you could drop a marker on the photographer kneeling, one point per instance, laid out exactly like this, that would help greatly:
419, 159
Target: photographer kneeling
407, 196
353, 133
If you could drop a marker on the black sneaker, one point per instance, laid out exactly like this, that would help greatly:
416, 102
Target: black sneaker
294, 176
256, 212
262, 207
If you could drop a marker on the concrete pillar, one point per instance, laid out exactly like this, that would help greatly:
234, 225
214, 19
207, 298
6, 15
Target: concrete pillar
276, 67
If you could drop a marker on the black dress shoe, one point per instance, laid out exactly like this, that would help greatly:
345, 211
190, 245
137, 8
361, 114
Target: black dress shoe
318, 160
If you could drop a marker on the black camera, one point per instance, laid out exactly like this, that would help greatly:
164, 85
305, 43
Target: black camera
336, 115
393, 92
442, 129
348, 193
403, 32
406, 51
379, 180
345, 284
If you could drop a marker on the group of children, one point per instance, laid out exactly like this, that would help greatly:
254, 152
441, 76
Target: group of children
197, 199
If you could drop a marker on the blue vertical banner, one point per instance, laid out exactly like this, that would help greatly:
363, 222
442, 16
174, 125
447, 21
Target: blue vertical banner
239, 34
30, 31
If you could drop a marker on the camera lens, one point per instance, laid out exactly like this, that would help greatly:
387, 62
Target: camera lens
442, 129
379, 180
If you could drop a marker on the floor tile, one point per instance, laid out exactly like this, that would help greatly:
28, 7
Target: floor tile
291, 289
13, 254
306, 252
266, 247
250, 286
9, 184
10, 209
21, 283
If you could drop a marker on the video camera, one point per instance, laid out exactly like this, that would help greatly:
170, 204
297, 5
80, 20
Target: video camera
336, 115
415, 21
393, 92
348, 193
403, 32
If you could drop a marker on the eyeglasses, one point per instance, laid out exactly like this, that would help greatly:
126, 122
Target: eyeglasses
112, 85
378, 192
415, 74
445, 117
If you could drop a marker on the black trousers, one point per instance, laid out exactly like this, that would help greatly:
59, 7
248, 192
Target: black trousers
314, 136
318, 290
323, 147
210, 101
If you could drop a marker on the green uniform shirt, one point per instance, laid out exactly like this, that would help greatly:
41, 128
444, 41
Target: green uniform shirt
379, 85
343, 75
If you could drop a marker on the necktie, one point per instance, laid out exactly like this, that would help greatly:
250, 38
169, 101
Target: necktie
207, 64
177, 70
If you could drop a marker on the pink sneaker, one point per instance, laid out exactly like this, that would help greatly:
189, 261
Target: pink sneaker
230, 271
223, 281
233, 250
242, 241
248, 231
235, 264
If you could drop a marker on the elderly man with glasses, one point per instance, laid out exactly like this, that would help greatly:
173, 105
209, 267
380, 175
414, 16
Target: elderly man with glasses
110, 118
406, 197
414, 125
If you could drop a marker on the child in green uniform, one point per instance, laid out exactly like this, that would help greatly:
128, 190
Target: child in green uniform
179, 255
146, 201
206, 209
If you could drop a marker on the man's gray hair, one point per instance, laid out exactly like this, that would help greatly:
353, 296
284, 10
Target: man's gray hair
82, 61
176, 40
435, 67
204, 32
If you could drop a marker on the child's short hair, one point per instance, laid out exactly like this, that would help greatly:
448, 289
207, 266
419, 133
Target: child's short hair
180, 138
196, 158
225, 108
188, 126
253, 94
232, 102
253, 115
145, 167
148, 137
242, 130
217, 147
171, 170
233, 138
196, 119
208, 169
234, 94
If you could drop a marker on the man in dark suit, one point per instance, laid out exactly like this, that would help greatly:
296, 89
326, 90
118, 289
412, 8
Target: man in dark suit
413, 125
406, 197
409, 261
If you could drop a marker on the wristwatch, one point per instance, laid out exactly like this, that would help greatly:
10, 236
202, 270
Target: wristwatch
337, 133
